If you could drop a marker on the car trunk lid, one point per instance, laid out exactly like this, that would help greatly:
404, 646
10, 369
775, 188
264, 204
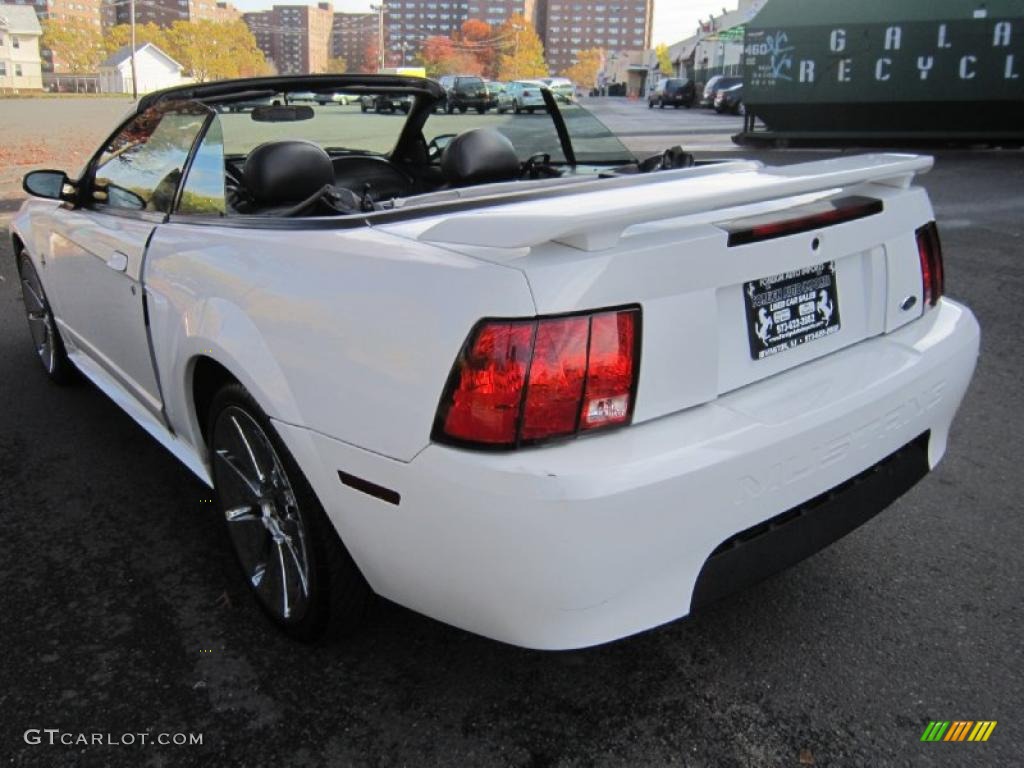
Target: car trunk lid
742, 271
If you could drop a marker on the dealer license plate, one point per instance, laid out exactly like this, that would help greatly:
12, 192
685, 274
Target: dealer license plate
788, 310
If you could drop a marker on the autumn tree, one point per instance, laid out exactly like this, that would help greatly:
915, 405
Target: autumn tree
584, 71
664, 59
434, 52
522, 52
371, 58
121, 35
213, 50
336, 66
76, 44
443, 56
477, 39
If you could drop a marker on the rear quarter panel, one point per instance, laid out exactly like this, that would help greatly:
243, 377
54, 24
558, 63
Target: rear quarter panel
351, 332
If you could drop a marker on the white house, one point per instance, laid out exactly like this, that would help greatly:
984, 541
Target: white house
20, 65
154, 68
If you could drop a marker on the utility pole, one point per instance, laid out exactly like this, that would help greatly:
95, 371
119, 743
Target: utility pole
131, 21
381, 10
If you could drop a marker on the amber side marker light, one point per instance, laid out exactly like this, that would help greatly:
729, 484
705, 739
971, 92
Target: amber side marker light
521, 382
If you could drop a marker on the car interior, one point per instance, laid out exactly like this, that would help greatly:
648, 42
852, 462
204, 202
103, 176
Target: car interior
293, 175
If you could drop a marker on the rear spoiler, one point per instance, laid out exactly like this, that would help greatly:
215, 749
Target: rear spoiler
595, 220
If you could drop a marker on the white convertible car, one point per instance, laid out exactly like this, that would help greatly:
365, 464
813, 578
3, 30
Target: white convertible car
495, 368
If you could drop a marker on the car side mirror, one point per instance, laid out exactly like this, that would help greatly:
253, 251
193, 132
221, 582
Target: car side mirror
53, 185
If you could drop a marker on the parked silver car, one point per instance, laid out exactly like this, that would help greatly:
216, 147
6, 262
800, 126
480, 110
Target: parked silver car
522, 96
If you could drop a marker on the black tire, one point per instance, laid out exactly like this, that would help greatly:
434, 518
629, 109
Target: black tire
448, 108
481, 110
516, 108
661, 104
336, 592
529, 110
650, 104
462, 110
46, 337
363, 108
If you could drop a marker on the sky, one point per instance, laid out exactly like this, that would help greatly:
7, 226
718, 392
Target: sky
673, 19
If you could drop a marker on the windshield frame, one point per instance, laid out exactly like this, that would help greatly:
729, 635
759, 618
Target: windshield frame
426, 94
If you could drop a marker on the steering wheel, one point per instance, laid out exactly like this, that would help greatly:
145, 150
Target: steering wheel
669, 160
539, 167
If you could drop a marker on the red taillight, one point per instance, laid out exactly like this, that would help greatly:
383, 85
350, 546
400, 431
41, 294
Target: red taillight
929, 251
610, 370
522, 381
827, 213
556, 378
485, 405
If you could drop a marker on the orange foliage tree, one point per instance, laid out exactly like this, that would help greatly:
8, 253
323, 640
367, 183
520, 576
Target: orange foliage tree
442, 56
478, 39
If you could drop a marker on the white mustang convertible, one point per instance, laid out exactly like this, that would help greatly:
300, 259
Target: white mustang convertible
494, 367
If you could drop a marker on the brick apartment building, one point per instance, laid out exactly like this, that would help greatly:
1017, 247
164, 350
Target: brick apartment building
570, 26
353, 36
410, 22
295, 38
163, 13
565, 26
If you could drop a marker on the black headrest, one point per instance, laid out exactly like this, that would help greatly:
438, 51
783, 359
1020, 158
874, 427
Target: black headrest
480, 156
282, 172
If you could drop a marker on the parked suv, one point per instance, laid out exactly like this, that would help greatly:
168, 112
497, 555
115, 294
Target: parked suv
464, 92
674, 92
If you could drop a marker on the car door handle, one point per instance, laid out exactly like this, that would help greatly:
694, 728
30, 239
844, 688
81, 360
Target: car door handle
118, 261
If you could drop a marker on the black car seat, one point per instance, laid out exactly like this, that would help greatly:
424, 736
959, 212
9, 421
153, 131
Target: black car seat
286, 178
479, 156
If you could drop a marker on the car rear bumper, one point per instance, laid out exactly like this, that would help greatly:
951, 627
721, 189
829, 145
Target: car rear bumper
591, 540
473, 102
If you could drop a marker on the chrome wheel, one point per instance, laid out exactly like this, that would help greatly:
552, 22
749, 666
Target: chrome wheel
40, 319
263, 518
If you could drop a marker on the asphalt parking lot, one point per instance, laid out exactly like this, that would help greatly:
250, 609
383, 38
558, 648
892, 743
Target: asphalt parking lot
123, 611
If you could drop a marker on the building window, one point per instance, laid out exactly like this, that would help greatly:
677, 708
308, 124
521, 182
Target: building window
3, 69
17, 70
15, 42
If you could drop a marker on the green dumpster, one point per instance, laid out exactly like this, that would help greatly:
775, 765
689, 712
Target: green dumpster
885, 69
